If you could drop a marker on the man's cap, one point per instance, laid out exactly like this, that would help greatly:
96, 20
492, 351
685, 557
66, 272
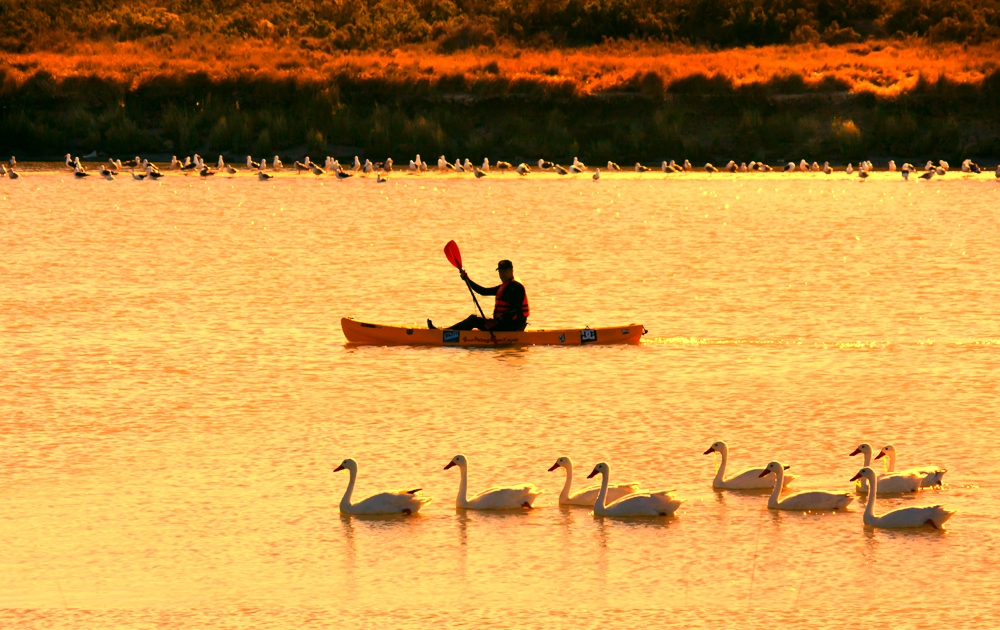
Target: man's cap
504, 264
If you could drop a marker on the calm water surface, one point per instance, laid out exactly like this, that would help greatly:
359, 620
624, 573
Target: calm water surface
175, 392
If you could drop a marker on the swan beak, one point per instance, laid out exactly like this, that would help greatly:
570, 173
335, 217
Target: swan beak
765, 473
880, 455
857, 451
338, 468
787, 467
856, 477
450, 464
592, 474
711, 449
554, 466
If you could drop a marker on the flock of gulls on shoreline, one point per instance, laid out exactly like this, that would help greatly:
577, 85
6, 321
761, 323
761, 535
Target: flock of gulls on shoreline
197, 166
629, 500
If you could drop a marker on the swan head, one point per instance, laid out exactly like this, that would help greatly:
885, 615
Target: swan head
886, 451
864, 448
773, 469
600, 469
458, 460
563, 462
718, 447
865, 472
347, 464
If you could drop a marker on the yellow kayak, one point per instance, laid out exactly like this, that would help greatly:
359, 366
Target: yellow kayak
380, 335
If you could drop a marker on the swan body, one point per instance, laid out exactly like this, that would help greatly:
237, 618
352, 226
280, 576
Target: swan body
588, 496
749, 479
395, 502
933, 515
891, 483
656, 503
501, 498
802, 501
929, 475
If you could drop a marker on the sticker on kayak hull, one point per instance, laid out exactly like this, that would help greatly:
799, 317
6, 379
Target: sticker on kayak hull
562, 337
588, 336
451, 336
625, 331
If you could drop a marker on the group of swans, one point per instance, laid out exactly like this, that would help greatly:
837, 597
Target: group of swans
629, 500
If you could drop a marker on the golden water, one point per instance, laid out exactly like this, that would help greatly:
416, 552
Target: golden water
175, 392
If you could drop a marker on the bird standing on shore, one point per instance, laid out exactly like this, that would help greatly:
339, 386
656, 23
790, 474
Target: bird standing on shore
379, 179
613, 167
927, 175
892, 166
263, 177
276, 163
152, 173
478, 173
544, 166
850, 169
316, 170
597, 174
486, 165
228, 168
709, 168
12, 174
250, 163
523, 169
639, 168
789, 167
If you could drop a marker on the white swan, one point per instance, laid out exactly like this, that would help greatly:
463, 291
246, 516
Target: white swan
929, 475
802, 501
891, 483
656, 503
750, 479
933, 515
509, 498
396, 502
588, 495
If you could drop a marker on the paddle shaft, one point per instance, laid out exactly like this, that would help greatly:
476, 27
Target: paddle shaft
473, 294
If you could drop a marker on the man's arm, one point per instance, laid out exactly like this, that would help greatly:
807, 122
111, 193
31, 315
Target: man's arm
481, 290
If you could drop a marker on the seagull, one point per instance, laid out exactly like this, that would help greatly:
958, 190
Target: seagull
205, 172
743, 167
174, 162
580, 166
220, 163
639, 168
730, 166
941, 164
357, 164
687, 165
138, 176
561, 170
276, 163
228, 168
250, 163
613, 167
380, 179
467, 165
998, 172
299, 167
803, 165
523, 169
108, 175
597, 174
413, 166
342, 174
444, 165
189, 165
929, 166
486, 165
69, 160
503, 166
849, 169
940, 171
316, 170
709, 168
826, 168
3, 170
863, 175
418, 162
12, 173
479, 174
543, 165
892, 166
262, 176
906, 175
458, 167
790, 167
13, 160
263, 165
927, 175
152, 172
388, 165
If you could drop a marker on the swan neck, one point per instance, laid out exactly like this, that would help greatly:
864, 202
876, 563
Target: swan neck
463, 486
564, 495
892, 461
870, 508
345, 503
720, 474
599, 506
779, 480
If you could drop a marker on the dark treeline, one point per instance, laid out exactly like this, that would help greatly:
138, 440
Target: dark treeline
698, 117
458, 24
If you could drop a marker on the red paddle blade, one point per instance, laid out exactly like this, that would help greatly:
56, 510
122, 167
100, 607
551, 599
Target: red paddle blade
454, 256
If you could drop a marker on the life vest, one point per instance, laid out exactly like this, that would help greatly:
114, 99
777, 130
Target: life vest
502, 306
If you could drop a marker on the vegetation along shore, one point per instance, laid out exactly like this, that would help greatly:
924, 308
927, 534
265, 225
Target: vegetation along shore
910, 98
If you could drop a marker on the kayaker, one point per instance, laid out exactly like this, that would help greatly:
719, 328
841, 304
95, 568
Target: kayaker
510, 312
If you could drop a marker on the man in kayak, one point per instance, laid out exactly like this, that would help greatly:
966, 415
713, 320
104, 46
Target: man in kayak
510, 312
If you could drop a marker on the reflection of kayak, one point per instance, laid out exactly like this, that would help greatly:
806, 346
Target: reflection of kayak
379, 335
